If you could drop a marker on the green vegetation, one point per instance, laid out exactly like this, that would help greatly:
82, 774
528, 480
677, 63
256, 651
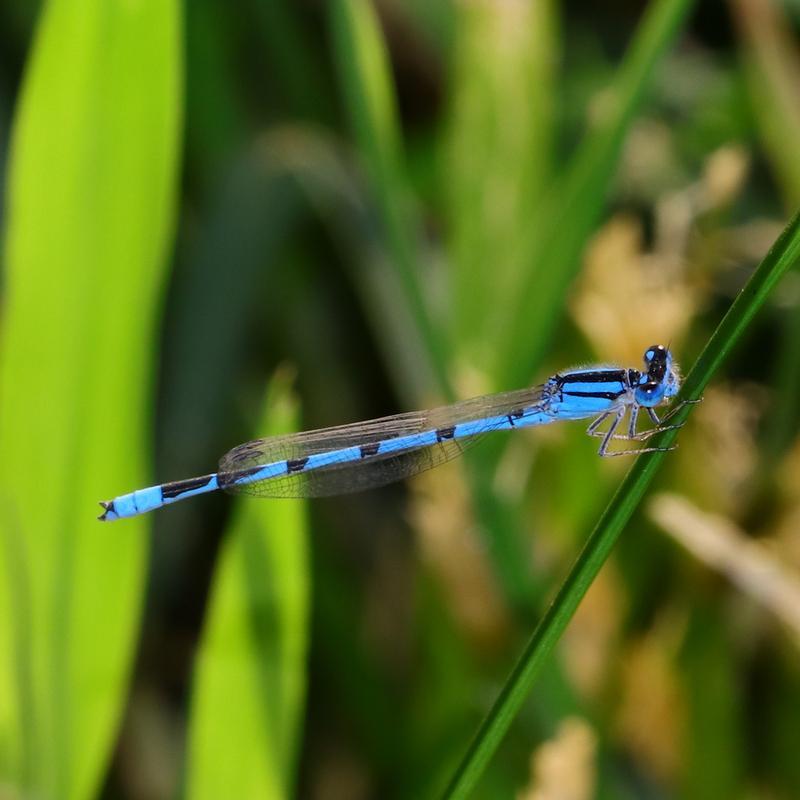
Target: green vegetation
224, 222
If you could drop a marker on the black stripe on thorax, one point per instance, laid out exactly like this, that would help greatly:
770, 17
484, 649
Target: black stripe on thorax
601, 395
599, 376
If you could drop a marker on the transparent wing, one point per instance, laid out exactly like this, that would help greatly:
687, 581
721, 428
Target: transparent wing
369, 471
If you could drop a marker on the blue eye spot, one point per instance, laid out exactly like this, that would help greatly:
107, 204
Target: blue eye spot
649, 355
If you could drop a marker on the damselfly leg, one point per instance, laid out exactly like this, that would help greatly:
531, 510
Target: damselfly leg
631, 436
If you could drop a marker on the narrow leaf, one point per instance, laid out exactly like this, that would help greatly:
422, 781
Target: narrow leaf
90, 207
365, 77
250, 682
498, 151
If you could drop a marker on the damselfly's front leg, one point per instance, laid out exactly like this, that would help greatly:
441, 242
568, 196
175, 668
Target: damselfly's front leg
672, 412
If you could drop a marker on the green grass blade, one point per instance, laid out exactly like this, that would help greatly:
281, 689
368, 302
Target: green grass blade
783, 255
365, 78
551, 258
249, 686
498, 150
771, 66
771, 63
92, 176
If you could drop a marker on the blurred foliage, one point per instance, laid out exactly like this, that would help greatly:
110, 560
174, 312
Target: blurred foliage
256, 641
407, 203
90, 197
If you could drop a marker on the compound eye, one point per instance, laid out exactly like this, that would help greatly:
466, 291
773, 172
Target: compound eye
652, 352
656, 353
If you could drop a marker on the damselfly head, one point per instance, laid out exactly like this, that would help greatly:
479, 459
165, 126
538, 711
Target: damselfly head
661, 377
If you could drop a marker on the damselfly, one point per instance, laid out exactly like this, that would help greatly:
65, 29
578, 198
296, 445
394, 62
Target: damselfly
365, 455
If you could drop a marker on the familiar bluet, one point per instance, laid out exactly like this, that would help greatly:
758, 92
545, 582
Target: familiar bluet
365, 455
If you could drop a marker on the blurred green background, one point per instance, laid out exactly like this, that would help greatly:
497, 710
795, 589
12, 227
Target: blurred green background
221, 221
